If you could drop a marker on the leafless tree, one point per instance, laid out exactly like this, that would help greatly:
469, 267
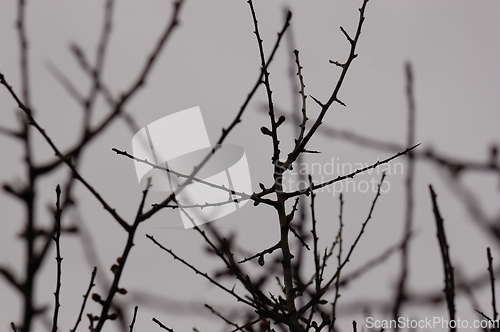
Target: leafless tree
280, 293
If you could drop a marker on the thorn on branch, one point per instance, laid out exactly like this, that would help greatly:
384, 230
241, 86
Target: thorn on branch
340, 102
317, 101
337, 63
310, 151
347, 35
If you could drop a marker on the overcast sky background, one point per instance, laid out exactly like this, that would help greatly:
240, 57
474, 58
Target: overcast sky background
212, 61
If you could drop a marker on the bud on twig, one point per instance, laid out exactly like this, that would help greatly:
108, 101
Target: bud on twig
265, 131
280, 121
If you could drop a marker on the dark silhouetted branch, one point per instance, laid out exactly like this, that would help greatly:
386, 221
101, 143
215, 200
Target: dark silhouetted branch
492, 282
449, 276
131, 327
303, 97
59, 259
160, 324
261, 254
85, 297
227, 321
339, 262
317, 296
347, 176
292, 156
204, 274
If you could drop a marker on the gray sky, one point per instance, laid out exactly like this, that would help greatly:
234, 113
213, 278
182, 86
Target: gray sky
212, 61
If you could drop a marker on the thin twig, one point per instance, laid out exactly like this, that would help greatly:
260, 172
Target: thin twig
304, 96
317, 296
492, 281
133, 319
242, 195
65, 159
292, 156
261, 254
10, 132
315, 241
455, 165
400, 296
266, 82
347, 176
66, 83
339, 262
9, 276
373, 263
23, 43
161, 325
85, 297
117, 269
59, 259
227, 321
204, 274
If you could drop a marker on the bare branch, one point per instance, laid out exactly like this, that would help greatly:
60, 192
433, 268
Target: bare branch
161, 325
264, 65
400, 296
303, 95
339, 262
261, 254
133, 319
85, 297
204, 274
228, 322
292, 156
59, 259
317, 296
350, 175
492, 282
